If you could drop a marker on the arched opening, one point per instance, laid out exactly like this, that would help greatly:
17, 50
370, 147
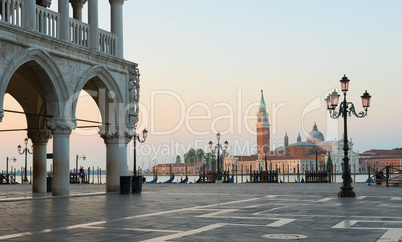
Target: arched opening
29, 85
86, 141
99, 84
12, 135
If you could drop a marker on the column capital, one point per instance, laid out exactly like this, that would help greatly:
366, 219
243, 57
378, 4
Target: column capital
44, 3
116, 134
39, 135
116, 1
61, 125
78, 3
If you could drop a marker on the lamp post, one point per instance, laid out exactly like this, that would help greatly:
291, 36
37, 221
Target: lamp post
219, 148
26, 152
14, 160
346, 109
137, 137
76, 166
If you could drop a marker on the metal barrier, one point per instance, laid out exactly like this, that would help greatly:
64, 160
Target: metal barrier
316, 176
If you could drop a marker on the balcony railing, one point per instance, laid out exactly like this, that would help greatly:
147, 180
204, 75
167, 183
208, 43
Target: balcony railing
107, 42
48, 23
79, 32
11, 11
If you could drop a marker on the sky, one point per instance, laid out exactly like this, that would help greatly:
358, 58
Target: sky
204, 63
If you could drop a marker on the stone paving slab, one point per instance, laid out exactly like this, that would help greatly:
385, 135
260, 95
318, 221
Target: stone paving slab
204, 212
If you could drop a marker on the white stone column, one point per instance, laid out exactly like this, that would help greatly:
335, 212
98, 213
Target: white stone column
93, 24
77, 8
116, 156
64, 10
61, 130
116, 19
39, 138
29, 14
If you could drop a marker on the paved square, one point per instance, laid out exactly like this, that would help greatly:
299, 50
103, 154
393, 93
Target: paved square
200, 212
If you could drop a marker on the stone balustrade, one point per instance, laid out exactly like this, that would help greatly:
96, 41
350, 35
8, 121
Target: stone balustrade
107, 42
79, 32
48, 22
11, 11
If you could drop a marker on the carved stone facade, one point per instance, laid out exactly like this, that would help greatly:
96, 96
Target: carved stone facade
61, 125
134, 93
40, 135
116, 134
54, 64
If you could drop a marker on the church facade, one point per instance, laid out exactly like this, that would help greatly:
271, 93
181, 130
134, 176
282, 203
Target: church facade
296, 157
47, 58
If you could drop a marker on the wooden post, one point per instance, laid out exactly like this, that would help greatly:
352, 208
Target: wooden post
251, 167
335, 173
288, 172
283, 172
369, 179
100, 175
233, 173
241, 173
354, 173
236, 173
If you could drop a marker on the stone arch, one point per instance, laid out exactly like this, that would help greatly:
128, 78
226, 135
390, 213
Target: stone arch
101, 78
51, 81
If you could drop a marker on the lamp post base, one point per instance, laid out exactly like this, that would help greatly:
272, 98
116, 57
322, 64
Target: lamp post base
346, 192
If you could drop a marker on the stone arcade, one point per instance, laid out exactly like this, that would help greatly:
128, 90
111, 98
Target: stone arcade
53, 57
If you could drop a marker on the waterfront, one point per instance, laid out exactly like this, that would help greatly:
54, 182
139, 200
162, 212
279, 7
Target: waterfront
359, 178
201, 212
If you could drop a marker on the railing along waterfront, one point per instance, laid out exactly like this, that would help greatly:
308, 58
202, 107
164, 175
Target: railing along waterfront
11, 11
47, 22
107, 42
79, 32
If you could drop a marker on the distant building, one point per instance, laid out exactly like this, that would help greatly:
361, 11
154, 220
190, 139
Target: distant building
379, 159
301, 155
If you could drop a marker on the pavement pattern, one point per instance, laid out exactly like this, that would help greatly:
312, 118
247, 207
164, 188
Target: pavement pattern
203, 212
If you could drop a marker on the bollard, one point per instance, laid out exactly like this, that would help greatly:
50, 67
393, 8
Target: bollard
49, 184
137, 184
125, 183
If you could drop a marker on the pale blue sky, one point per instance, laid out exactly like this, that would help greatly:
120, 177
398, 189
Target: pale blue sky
206, 52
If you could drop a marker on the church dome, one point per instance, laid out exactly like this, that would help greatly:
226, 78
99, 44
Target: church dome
315, 136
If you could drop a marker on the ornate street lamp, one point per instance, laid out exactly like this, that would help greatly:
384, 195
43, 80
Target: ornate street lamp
346, 109
26, 152
137, 137
219, 148
83, 157
12, 159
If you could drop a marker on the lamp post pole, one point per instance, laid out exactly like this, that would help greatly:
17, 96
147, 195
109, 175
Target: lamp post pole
13, 159
76, 166
218, 147
26, 152
137, 137
345, 109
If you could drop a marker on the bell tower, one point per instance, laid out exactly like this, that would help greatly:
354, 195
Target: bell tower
263, 133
